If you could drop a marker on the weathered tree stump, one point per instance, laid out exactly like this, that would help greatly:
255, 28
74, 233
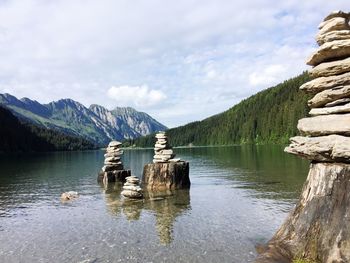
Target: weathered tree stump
113, 176
166, 175
319, 226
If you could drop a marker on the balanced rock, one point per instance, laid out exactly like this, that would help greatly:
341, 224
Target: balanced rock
336, 13
323, 83
331, 68
330, 110
330, 51
325, 125
131, 188
331, 148
329, 95
162, 150
333, 24
113, 169
338, 102
332, 36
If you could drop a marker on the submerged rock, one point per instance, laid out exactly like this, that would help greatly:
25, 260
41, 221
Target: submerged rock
131, 188
69, 196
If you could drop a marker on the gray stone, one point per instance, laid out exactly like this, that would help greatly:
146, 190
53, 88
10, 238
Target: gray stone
160, 146
332, 36
114, 144
132, 188
323, 83
331, 148
330, 110
337, 13
167, 152
333, 24
331, 68
107, 168
112, 159
325, 125
131, 194
337, 49
329, 95
338, 102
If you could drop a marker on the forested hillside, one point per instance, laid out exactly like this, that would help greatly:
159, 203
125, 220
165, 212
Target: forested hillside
270, 116
18, 137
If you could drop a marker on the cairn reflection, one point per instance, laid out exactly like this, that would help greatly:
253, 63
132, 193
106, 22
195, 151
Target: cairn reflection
165, 205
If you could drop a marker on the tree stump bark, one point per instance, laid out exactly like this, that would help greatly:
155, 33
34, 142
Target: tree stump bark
319, 226
113, 176
167, 175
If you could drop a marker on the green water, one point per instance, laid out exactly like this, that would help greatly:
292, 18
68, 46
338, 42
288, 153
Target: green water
238, 198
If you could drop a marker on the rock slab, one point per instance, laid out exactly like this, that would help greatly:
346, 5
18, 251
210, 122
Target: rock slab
168, 175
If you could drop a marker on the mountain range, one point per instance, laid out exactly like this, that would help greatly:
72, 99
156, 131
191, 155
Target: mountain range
96, 123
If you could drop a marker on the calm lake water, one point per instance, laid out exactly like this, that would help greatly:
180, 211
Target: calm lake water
238, 198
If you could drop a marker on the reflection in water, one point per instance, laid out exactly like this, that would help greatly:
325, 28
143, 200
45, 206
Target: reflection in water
165, 205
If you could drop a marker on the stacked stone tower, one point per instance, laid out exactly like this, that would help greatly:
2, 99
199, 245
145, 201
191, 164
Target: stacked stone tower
319, 227
113, 169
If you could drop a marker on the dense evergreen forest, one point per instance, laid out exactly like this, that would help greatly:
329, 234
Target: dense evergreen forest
269, 116
18, 137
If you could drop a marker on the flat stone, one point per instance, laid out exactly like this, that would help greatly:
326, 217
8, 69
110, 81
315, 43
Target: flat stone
333, 24
323, 83
167, 152
337, 13
112, 163
332, 36
338, 102
112, 159
108, 168
160, 146
329, 51
114, 144
332, 148
330, 110
325, 125
329, 95
331, 68
175, 160
132, 188
131, 194
113, 154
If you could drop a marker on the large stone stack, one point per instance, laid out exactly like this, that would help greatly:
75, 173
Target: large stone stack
165, 172
162, 150
113, 169
319, 226
326, 131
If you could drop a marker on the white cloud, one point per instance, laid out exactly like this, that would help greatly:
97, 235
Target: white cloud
203, 54
140, 96
267, 76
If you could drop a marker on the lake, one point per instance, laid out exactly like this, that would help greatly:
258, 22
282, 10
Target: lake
239, 196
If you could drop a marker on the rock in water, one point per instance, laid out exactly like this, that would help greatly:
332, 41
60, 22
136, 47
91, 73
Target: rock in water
69, 196
113, 169
131, 188
319, 226
162, 150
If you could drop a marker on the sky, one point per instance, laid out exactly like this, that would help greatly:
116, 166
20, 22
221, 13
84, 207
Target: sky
179, 61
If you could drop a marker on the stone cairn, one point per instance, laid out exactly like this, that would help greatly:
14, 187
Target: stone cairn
319, 227
162, 150
113, 169
131, 188
166, 171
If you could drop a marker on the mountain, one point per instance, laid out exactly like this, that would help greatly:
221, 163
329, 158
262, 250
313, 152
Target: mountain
269, 116
18, 137
95, 123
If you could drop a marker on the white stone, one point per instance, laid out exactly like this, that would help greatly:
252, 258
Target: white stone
329, 95
330, 110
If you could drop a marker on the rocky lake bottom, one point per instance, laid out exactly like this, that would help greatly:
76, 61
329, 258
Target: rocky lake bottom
238, 198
